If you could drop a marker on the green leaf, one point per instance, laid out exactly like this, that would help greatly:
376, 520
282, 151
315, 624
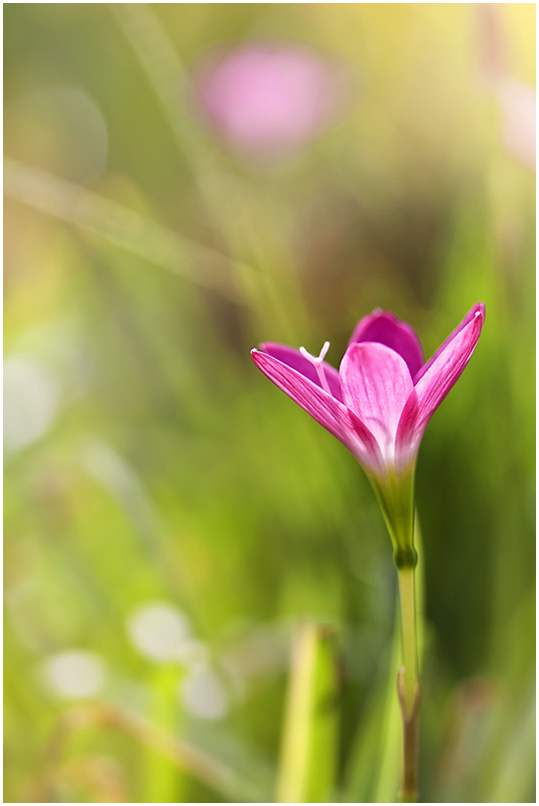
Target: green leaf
161, 774
310, 734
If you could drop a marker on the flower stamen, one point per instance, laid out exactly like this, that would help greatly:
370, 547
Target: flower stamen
318, 363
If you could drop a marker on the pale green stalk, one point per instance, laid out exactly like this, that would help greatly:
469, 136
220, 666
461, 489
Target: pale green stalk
396, 497
408, 685
162, 776
309, 753
409, 637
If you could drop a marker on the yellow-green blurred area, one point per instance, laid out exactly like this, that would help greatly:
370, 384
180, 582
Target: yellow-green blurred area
170, 515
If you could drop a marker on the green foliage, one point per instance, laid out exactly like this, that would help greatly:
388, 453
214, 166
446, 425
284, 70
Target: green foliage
148, 462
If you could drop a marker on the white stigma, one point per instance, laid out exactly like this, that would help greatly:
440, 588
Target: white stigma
317, 361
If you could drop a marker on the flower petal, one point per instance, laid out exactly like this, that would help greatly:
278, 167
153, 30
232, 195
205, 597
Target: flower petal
376, 384
479, 308
292, 357
384, 328
438, 377
327, 410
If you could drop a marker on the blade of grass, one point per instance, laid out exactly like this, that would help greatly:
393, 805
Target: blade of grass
365, 756
162, 67
162, 777
310, 733
374, 770
512, 778
232, 207
387, 781
123, 227
194, 761
227, 198
375, 754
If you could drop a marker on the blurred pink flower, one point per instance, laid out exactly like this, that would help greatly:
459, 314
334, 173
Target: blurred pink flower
268, 99
516, 99
518, 105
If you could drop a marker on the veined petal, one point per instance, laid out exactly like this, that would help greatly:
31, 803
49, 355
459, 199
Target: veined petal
479, 308
327, 410
376, 384
438, 377
409, 434
447, 364
384, 328
292, 357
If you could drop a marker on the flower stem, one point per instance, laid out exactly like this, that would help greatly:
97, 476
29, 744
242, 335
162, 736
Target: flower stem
408, 684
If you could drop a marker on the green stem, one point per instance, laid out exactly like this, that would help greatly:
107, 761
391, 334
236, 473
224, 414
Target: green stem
409, 636
408, 684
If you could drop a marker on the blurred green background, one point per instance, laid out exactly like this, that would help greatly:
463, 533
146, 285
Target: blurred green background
170, 516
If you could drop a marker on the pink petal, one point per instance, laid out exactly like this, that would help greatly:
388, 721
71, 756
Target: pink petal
384, 328
467, 319
436, 379
325, 409
376, 384
294, 359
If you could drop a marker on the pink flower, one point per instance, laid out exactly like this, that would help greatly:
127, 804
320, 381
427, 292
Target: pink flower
379, 402
266, 99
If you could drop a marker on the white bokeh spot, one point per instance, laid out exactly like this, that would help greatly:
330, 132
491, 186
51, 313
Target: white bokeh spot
203, 694
31, 401
159, 631
74, 674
